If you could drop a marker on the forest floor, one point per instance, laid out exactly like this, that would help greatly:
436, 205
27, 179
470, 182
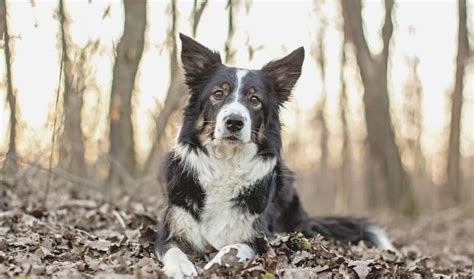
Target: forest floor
76, 236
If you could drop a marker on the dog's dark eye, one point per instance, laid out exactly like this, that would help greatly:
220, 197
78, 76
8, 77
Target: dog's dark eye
218, 95
255, 101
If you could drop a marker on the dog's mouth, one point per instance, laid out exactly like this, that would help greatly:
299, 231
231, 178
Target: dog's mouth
232, 139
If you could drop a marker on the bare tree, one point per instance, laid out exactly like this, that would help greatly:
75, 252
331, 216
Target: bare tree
454, 174
10, 161
71, 156
386, 164
177, 89
129, 52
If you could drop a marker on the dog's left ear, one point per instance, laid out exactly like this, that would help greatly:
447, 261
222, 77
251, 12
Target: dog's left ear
285, 72
197, 59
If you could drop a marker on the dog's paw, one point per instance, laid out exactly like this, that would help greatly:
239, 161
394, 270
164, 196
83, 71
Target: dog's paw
230, 255
180, 269
177, 265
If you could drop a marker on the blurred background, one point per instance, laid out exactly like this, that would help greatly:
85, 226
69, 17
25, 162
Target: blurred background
381, 121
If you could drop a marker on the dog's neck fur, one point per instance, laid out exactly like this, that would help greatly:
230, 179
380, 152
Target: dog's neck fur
220, 161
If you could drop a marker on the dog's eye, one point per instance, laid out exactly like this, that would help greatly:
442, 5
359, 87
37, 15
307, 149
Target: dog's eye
218, 95
255, 101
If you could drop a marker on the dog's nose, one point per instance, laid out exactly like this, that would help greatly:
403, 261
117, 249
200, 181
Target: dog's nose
234, 123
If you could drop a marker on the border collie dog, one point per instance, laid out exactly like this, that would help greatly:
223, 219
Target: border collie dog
227, 184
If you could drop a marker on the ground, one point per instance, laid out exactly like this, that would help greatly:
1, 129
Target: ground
92, 236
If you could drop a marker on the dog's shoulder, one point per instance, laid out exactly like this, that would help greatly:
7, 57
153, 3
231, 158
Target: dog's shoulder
182, 185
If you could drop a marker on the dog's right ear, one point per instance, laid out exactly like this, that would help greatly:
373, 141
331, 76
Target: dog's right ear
197, 59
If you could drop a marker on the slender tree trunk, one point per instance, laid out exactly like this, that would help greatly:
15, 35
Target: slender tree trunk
10, 164
383, 150
129, 52
344, 180
177, 89
321, 63
197, 14
412, 111
454, 173
72, 145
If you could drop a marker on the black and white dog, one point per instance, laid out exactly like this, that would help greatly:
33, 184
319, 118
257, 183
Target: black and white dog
227, 183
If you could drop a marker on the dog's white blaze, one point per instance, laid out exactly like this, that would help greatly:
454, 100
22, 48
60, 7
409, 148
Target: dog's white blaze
177, 265
240, 74
244, 252
223, 174
235, 107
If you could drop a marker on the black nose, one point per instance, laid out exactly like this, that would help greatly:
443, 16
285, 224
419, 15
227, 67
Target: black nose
234, 123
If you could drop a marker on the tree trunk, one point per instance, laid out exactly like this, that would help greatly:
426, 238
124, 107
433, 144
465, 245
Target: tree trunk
321, 119
129, 53
344, 180
413, 119
177, 89
72, 145
10, 164
454, 174
383, 150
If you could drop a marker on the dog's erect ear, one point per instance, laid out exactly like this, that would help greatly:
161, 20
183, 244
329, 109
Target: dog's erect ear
197, 59
285, 72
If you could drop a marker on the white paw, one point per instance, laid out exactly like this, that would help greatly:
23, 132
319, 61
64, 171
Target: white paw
231, 254
211, 263
180, 270
177, 265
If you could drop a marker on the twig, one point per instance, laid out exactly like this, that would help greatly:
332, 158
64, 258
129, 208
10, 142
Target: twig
53, 136
59, 172
120, 219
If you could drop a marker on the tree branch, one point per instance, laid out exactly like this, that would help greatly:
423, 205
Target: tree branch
387, 31
197, 14
354, 30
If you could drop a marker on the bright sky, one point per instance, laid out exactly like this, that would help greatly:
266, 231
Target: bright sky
278, 26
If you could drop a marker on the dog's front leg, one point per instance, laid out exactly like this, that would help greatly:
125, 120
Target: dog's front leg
177, 265
243, 252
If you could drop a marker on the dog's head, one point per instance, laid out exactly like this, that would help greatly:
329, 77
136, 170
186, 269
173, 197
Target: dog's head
233, 106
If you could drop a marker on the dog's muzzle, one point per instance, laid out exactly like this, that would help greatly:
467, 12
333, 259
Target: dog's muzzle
233, 123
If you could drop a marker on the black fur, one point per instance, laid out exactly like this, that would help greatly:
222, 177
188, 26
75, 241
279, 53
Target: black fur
255, 199
183, 188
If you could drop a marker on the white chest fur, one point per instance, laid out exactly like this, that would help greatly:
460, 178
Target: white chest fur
223, 173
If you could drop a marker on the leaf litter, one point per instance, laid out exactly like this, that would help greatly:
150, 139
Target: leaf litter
92, 237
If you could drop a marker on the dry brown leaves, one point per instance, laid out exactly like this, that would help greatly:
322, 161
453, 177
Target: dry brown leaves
89, 237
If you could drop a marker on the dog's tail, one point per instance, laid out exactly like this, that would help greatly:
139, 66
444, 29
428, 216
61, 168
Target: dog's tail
291, 216
346, 229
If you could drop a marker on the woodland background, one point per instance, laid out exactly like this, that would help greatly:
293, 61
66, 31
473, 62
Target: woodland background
381, 122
